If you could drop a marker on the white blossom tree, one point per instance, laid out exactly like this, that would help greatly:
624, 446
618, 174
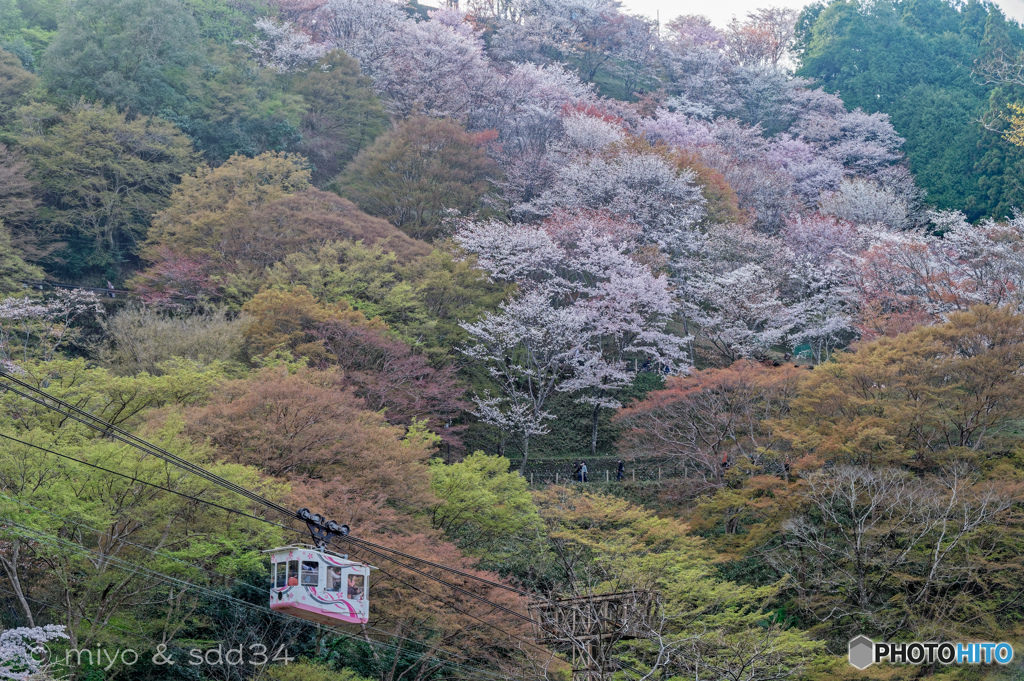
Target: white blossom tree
529, 347
585, 264
23, 652
821, 251
864, 202
436, 68
733, 292
282, 47
37, 329
593, 170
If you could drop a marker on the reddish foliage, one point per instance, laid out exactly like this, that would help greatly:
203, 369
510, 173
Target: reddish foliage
390, 376
711, 420
568, 226
304, 221
594, 111
174, 281
309, 424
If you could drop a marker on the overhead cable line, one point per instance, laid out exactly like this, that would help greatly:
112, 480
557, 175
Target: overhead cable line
109, 429
150, 484
43, 537
87, 619
447, 584
226, 578
106, 428
463, 612
359, 541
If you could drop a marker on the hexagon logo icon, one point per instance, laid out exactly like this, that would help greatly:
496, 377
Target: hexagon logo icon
862, 652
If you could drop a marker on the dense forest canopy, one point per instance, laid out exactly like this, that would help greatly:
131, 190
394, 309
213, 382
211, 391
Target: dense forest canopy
939, 71
723, 326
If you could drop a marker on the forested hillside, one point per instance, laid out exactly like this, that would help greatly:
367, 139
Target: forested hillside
625, 350
945, 73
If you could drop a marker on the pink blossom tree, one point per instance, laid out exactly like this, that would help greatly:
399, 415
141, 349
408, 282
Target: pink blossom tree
436, 68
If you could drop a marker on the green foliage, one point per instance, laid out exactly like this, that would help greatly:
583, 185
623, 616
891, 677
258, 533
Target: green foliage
208, 242
416, 173
422, 301
15, 82
43, 14
452, 290
308, 671
913, 60
121, 400
143, 340
102, 177
481, 503
132, 54
235, 107
27, 27
224, 21
13, 268
76, 559
367, 277
717, 628
208, 199
281, 320
343, 114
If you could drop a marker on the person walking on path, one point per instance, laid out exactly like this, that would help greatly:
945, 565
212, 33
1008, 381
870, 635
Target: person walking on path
576, 475
620, 472
583, 472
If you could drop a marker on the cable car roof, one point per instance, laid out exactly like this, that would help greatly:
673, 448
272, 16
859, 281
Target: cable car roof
308, 547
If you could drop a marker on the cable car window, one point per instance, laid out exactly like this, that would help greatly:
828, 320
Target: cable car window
355, 586
293, 573
310, 573
282, 575
334, 580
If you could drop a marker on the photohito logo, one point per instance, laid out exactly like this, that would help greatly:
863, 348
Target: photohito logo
864, 652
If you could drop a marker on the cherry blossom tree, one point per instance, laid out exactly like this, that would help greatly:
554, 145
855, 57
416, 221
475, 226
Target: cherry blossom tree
598, 168
436, 68
529, 348
905, 278
764, 39
586, 264
864, 202
526, 108
365, 29
38, 329
22, 651
812, 173
821, 251
862, 143
824, 311
732, 292
281, 47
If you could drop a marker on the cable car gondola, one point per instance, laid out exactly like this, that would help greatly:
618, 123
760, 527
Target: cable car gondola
311, 583
317, 585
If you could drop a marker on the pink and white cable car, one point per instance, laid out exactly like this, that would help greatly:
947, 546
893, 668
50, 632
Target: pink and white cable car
317, 585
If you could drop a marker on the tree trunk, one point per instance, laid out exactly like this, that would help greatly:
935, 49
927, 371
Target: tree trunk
11, 568
593, 431
526, 451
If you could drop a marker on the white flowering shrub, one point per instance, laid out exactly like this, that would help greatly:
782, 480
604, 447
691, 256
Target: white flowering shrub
34, 329
23, 652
